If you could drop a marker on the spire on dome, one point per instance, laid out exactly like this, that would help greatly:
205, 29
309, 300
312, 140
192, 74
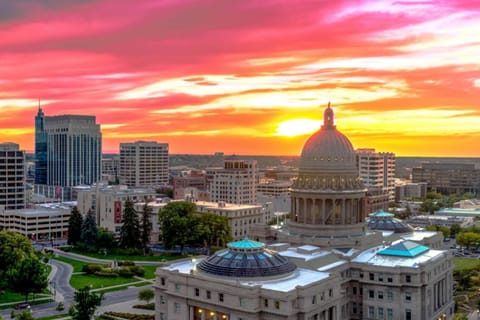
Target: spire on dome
328, 118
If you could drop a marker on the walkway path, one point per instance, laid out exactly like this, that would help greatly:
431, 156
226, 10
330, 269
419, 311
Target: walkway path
82, 258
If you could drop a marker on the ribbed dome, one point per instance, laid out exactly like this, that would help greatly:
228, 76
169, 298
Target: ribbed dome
246, 259
328, 148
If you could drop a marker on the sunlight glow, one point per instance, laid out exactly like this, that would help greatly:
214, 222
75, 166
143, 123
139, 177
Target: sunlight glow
297, 127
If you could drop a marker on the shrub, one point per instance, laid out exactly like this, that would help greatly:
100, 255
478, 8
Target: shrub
126, 263
130, 316
106, 274
126, 273
148, 306
137, 270
91, 268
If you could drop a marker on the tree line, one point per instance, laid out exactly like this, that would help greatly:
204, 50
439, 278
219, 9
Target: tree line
179, 224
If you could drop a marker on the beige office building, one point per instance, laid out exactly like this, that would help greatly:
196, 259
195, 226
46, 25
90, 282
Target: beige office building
144, 164
325, 265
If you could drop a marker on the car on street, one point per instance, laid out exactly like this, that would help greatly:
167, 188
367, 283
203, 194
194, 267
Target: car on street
23, 305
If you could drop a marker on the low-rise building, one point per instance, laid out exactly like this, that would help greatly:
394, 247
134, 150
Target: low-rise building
43, 222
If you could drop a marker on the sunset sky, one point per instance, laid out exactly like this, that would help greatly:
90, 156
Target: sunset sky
247, 77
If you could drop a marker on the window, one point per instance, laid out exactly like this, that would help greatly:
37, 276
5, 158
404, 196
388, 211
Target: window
354, 290
371, 312
408, 278
265, 303
209, 294
314, 299
177, 287
162, 316
380, 295
354, 308
390, 279
177, 307
220, 297
162, 299
371, 276
162, 280
197, 292
277, 304
389, 295
408, 296
389, 314
408, 314
371, 294
330, 292
380, 277
380, 313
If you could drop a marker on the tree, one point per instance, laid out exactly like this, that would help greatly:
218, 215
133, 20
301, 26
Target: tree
146, 225
13, 248
455, 229
175, 221
75, 226
130, 235
29, 275
146, 295
86, 303
89, 234
106, 239
218, 230
24, 315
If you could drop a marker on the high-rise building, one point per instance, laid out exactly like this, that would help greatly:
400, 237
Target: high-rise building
236, 182
377, 170
12, 176
68, 152
144, 164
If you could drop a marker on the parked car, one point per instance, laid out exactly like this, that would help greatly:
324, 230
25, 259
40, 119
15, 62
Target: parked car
23, 305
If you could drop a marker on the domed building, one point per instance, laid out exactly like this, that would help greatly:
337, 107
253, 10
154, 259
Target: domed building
328, 198
326, 264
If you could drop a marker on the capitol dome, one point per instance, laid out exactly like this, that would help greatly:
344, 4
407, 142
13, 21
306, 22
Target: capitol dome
328, 149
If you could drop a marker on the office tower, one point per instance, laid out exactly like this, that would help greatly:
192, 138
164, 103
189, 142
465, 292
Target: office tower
377, 171
40, 149
144, 164
12, 176
236, 182
449, 178
72, 145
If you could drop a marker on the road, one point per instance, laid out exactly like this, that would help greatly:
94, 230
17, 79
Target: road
60, 281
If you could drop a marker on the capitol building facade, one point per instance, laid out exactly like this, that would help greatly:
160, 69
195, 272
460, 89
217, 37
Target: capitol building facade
327, 263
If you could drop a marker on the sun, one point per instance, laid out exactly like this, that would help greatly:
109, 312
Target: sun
297, 127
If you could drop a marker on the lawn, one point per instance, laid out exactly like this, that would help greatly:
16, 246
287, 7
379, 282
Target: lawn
9, 296
79, 281
149, 272
465, 263
161, 257
58, 316
139, 284
77, 265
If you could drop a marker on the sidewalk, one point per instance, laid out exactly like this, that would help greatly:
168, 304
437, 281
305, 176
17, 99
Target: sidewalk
125, 307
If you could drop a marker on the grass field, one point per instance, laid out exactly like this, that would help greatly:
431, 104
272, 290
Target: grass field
139, 284
79, 281
161, 257
77, 265
465, 263
149, 272
58, 316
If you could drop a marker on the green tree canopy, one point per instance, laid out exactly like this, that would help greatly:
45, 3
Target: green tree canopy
89, 235
146, 295
86, 303
217, 230
24, 315
14, 247
106, 239
146, 225
28, 276
175, 220
75, 226
130, 235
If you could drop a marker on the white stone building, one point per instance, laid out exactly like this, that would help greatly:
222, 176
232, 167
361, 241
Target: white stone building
325, 265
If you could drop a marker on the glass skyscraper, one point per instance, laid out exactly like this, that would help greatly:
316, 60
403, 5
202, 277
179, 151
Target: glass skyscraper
68, 152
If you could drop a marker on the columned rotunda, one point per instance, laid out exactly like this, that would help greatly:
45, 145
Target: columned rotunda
328, 196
